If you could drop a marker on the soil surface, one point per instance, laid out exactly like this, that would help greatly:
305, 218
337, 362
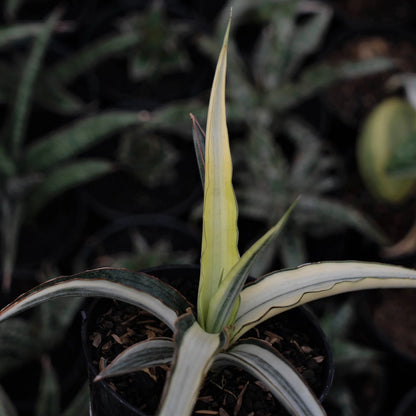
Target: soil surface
230, 392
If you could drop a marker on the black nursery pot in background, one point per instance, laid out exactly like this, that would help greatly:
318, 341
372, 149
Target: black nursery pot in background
106, 401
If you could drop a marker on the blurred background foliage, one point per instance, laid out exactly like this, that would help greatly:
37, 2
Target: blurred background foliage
95, 98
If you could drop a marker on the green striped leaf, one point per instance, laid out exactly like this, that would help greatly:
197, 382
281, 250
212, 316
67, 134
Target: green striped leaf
20, 106
92, 55
11, 34
283, 290
139, 289
156, 351
276, 373
219, 250
224, 301
81, 135
194, 353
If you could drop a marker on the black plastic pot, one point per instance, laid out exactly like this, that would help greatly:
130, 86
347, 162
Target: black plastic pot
105, 401
116, 238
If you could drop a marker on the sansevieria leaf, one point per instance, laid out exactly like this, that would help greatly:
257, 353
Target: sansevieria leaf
198, 136
220, 234
139, 289
195, 351
283, 290
155, 351
224, 300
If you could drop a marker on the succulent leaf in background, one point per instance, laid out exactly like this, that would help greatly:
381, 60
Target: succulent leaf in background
272, 181
32, 174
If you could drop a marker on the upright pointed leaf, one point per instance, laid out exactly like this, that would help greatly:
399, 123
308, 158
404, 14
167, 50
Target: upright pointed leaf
139, 289
224, 300
286, 289
278, 375
219, 243
20, 109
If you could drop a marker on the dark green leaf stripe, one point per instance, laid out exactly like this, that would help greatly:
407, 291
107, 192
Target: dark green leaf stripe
286, 289
280, 377
198, 136
157, 351
138, 289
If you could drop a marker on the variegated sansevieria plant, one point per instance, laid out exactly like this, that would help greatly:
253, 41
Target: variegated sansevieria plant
226, 308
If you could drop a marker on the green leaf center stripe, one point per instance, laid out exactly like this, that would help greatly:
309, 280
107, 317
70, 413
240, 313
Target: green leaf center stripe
157, 351
286, 289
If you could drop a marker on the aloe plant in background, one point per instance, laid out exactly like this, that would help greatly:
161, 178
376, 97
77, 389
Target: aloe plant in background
226, 309
33, 173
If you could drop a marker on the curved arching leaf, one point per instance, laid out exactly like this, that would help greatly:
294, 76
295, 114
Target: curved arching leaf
139, 289
156, 351
276, 373
283, 290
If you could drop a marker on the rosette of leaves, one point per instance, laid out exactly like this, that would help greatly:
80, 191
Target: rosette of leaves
34, 172
226, 309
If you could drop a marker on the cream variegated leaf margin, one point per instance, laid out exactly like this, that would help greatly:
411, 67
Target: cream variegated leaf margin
283, 290
222, 306
156, 351
195, 350
139, 289
277, 374
219, 251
